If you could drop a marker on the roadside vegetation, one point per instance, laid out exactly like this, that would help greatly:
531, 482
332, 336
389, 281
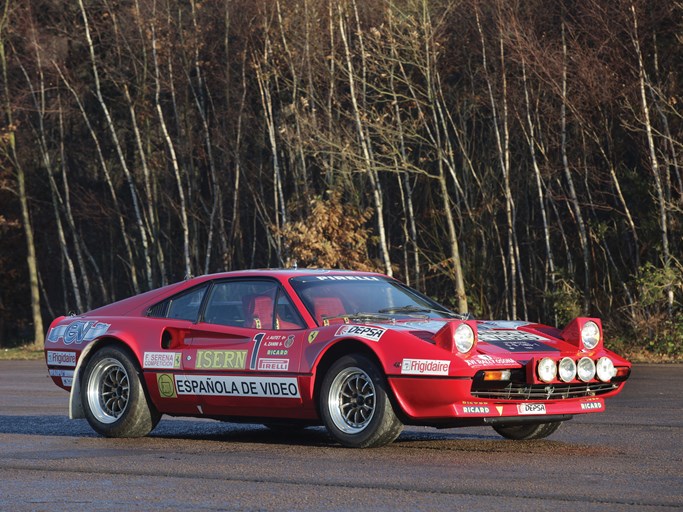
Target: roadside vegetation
512, 159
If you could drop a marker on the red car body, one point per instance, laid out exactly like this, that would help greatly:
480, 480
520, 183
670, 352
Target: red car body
300, 347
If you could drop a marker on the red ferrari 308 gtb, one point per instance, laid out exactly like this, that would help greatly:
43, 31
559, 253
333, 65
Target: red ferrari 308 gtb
358, 352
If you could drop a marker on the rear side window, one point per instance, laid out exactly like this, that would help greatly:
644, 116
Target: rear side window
252, 304
184, 306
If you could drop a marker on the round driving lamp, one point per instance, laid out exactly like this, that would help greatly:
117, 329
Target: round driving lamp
605, 369
463, 338
547, 369
586, 369
590, 335
567, 369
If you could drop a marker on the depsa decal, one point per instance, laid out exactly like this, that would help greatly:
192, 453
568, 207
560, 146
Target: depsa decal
368, 333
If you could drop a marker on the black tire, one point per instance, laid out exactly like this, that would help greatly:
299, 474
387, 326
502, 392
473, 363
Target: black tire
355, 405
528, 431
113, 398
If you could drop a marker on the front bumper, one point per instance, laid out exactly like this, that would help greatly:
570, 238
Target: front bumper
451, 399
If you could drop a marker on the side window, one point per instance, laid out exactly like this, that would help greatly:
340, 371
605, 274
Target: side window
286, 315
184, 306
250, 304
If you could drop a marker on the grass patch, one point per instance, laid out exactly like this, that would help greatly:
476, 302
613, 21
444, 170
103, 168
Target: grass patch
25, 353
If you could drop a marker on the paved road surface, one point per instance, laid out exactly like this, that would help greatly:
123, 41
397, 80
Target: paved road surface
629, 458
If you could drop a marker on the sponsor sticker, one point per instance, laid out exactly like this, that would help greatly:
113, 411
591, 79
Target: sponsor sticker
531, 408
221, 359
273, 365
591, 406
289, 341
360, 331
61, 373
161, 360
482, 360
476, 409
424, 367
312, 336
521, 345
67, 376
264, 387
347, 278
61, 358
254, 351
503, 324
508, 336
77, 332
278, 352
166, 385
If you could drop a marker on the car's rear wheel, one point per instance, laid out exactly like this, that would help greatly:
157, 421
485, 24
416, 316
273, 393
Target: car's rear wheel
355, 404
527, 431
114, 400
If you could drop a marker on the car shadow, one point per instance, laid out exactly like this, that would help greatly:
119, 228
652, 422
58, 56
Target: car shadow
179, 429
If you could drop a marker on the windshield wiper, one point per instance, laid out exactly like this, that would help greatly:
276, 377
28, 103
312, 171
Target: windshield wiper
360, 316
422, 309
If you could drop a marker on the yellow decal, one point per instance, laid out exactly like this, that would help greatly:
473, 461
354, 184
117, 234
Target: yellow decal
166, 385
312, 336
221, 359
257, 322
499, 408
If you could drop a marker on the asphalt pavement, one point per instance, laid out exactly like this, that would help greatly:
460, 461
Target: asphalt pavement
628, 458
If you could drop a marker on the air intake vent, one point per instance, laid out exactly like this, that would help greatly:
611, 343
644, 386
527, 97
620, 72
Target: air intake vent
158, 310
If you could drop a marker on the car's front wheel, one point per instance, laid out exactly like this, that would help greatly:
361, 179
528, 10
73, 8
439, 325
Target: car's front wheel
355, 404
114, 400
527, 431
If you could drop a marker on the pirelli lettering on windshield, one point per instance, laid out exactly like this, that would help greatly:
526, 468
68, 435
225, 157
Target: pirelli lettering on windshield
347, 278
361, 331
263, 387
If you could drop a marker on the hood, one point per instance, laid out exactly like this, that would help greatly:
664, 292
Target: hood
499, 337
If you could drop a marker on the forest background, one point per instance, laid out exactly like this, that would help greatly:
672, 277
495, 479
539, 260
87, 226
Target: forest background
513, 158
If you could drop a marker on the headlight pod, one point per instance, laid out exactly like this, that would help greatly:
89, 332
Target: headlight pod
590, 335
547, 369
463, 337
567, 369
586, 369
605, 369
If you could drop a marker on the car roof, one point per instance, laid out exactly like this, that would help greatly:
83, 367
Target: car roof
286, 273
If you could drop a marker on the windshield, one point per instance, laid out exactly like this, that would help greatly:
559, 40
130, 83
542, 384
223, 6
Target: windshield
338, 296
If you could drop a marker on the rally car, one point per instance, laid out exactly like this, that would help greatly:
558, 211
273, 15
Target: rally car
360, 353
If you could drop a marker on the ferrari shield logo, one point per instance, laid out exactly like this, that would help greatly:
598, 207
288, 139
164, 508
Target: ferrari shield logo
312, 336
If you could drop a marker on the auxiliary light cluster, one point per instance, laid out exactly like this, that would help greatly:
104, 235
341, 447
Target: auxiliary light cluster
567, 369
